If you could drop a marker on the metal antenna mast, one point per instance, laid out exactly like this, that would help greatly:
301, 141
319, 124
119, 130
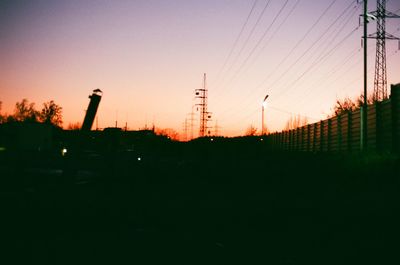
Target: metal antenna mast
380, 80
205, 116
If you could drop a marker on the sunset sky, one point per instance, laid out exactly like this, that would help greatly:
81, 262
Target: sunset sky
148, 56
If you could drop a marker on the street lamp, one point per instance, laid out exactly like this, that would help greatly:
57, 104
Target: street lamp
262, 116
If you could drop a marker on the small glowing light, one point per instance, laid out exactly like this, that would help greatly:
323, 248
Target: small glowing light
139, 158
261, 139
64, 151
2, 148
212, 139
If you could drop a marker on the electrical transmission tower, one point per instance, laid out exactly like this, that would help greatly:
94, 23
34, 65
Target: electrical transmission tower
191, 122
217, 128
185, 130
380, 80
205, 116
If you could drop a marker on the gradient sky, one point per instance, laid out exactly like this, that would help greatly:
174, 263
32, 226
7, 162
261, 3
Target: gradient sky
148, 57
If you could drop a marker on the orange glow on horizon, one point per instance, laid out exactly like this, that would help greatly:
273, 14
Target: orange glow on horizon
148, 57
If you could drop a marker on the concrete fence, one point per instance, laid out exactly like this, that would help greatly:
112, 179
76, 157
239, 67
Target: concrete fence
343, 133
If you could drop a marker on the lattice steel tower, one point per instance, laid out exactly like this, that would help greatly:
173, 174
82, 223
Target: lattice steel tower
205, 116
380, 79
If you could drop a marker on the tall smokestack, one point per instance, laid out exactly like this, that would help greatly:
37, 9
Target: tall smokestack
91, 110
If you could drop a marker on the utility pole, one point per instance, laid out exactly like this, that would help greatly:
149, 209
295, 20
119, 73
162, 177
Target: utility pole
364, 125
205, 116
380, 79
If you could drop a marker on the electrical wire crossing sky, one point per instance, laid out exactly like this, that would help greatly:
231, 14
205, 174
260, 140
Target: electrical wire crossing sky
149, 56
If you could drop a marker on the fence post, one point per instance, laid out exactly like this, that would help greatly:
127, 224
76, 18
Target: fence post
285, 140
298, 139
315, 136
291, 140
321, 136
363, 126
378, 130
329, 140
308, 137
339, 132
294, 139
349, 134
395, 101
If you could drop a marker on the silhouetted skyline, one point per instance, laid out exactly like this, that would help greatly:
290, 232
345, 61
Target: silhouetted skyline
149, 56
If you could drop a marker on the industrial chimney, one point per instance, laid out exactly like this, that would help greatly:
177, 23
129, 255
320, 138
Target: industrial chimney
91, 110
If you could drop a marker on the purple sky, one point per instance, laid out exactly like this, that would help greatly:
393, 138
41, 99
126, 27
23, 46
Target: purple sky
149, 56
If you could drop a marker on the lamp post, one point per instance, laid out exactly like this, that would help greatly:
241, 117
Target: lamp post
262, 115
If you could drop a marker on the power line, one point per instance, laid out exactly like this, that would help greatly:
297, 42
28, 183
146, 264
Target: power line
293, 113
298, 43
315, 42
275, 32
249, 36
268, 41
370, 69
335, 69
317, 62
236, 41
274, 108
302, 39
257, 44
325, 79
380, 78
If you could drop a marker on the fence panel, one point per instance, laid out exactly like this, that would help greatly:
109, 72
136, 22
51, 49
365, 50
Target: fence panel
325, 135
343, 133
385, 139
334, 135
371, 123
355, 130
311, 137
317, 136
304, 138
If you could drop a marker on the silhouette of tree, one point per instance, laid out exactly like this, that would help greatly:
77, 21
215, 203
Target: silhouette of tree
25, 111
2, 118
51, 113
347, 104
168, 132
251, 131
74, 126
295, 122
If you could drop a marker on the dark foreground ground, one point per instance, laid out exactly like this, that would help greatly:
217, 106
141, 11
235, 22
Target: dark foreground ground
200, 204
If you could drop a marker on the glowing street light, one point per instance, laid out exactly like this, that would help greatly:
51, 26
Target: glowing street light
262, 116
